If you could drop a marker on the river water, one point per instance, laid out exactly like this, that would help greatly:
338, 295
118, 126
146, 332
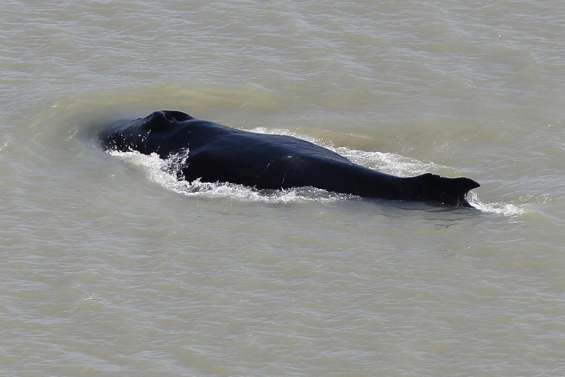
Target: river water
110, 267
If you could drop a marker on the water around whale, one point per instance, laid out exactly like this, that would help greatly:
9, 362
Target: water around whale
111, 266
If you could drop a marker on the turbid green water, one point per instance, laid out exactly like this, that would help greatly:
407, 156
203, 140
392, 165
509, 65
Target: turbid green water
110, 267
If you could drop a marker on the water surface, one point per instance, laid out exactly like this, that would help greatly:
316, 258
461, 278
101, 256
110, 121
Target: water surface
110, 267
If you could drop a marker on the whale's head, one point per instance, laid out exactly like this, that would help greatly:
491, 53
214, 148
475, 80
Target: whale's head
146, 135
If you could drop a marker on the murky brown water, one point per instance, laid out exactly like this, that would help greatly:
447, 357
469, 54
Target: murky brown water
112, 268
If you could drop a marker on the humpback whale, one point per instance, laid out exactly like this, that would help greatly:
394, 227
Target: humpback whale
217, 153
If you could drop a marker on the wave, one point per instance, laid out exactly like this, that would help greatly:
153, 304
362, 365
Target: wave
390, 163
164, 173
497, 208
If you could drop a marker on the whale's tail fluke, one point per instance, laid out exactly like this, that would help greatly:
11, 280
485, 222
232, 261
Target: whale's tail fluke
446, 191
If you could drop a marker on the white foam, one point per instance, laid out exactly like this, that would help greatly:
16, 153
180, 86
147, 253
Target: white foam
504, 209
385, 162
163, 172
4, 143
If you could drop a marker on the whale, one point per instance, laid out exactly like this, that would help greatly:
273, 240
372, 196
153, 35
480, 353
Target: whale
217, 153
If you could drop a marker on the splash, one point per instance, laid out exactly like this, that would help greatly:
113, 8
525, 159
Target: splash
504, 209
390, 163
165, 173
3, 145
